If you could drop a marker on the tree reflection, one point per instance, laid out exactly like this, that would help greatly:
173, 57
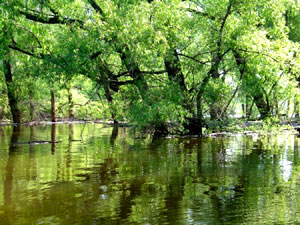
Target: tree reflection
114, 135
53, 138
8, 183
31, 138
123, 180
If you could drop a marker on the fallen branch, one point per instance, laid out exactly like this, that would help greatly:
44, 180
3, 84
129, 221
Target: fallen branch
34, 142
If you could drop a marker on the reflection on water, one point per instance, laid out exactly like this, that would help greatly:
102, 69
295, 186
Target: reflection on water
92, 174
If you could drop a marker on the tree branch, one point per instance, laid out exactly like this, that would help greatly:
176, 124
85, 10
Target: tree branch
154, 72
96, 7
120, 83
49, 20
194, 58
95, 55
258, 53
201, 13
16, 48
34, 36
228, 12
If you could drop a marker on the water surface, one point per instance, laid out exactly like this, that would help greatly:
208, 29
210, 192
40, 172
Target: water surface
103, 175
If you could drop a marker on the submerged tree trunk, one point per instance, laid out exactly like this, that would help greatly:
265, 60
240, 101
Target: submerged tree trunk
53, 107
12, 98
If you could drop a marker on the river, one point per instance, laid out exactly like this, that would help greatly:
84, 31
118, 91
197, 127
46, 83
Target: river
97, 174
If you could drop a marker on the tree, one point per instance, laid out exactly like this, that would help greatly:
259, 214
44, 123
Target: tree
162, 62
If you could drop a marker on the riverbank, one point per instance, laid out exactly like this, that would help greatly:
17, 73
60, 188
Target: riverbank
34, 123
214, 129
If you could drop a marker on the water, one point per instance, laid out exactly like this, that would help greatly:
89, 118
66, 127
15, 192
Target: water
103, 175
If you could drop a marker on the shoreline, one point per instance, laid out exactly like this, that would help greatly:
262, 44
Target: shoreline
36, 123
244, 128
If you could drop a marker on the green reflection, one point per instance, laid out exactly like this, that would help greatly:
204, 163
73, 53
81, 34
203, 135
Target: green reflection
107, 175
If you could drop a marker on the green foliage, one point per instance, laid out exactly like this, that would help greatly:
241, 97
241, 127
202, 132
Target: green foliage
162, 105
118, 58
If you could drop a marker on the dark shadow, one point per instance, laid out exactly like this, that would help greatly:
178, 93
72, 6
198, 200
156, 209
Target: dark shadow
14, 139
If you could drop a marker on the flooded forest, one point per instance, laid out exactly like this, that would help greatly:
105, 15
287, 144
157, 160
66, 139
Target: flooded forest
149, 112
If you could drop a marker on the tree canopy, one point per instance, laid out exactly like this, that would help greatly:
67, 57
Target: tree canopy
151, 63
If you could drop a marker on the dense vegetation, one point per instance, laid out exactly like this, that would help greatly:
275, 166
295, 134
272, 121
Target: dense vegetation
152, 63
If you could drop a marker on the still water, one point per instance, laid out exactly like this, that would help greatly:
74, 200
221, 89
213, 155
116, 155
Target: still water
98, 174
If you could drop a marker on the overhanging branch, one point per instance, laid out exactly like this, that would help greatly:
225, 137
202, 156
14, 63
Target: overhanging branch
16, 48
55, 19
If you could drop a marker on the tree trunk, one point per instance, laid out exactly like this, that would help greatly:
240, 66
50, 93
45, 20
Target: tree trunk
288, 109
71, 104
53, 107
296, 110
199, 96
275, 104
1, 113
109, 98
175, 75
194, 125
248, 107
31, 105
199, 106
262, 106
172, 64
138, 78
12, 98
261, 103
160, 131
214, 112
